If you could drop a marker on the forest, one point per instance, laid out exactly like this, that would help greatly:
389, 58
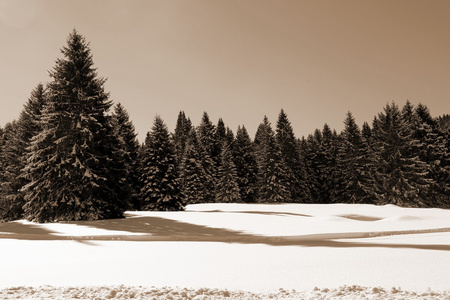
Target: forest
73, 155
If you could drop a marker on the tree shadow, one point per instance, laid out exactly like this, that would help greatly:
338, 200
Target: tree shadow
160, 229
27, 231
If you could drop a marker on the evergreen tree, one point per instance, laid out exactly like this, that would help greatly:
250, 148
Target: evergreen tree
11, 200
425, 129
229, 138
291, 158
400, 174
207, 137
322, 170
210, 154
366, 134
408, 114
16, 142
309, 152
129, 146
29, 119
432, 150
195, 180
160, 189
261, 133
444, 123
306, 148
227, 189
273, 180
75, 169
246, 166
439, 192
356, 165
221, 134
181, 135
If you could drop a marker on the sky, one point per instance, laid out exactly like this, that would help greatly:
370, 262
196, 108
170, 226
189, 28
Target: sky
238, 60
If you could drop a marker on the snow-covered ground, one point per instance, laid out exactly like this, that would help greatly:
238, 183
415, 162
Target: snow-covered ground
258, 248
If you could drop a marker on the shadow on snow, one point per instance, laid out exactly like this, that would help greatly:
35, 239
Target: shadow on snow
161, 229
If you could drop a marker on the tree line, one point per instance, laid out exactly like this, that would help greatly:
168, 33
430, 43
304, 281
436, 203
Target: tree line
67, 157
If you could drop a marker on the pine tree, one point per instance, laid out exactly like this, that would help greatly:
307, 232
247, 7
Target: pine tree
400, 173
11, 199
291, 158
210, 154
229, 138
220, 134
444, 123
75, 169
309, 152
195, 180
246, 166
17, 140
356, 164
181, 135
129, 146
432, 150
425, 129
227, 189
160, 189
207, 137
366, 134
29, 119
439, 192
323, 154
273, 180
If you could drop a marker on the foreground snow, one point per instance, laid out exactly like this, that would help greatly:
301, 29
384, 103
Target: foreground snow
124, 292
257, 248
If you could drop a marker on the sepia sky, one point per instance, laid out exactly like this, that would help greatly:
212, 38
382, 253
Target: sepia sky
238, 59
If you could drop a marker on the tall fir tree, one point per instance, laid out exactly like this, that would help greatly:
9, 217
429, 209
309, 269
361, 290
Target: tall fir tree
444, 123
75, 169
433, 150
309, 147
11, 199
220, 134
210, 154
366, 135
183, 128
229, 138
246, 166
29, 119
356, 166
207, 137
291, 158
322, 166
400, 173
273, 180
129, 146
195, 180
227, 188
16, 146
161, 190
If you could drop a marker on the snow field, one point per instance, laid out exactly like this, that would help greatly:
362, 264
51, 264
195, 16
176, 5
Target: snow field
256, 248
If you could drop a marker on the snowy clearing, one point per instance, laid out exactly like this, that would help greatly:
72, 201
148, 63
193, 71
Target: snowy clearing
256, 248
